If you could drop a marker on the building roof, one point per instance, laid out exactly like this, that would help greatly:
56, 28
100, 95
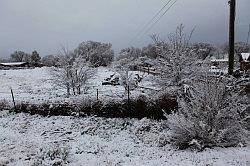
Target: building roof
220, 60
245, 57
13, 63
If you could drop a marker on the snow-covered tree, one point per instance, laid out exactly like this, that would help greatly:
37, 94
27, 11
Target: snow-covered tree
240, 47
97, 53
130, 53
35, 57
73, 71
178, 62
50, 60
62, 73
80, 74
203, 50
150, 51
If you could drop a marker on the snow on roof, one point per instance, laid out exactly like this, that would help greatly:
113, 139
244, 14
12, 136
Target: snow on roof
245, 56
13, 63
220, 60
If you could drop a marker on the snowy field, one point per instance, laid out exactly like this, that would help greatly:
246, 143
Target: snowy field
37, 86
35, 140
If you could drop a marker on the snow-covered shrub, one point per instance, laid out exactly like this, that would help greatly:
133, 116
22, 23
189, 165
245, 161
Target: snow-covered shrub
151, 132
45, 109
165, 102
205, 117
139, 107
4, 104
90, 107
52, 155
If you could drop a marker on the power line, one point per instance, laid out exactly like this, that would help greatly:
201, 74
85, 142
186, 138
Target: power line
152, 19
160, 17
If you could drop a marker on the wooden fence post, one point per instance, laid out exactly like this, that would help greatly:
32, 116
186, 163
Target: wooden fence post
97, 94
13, 99
128, 100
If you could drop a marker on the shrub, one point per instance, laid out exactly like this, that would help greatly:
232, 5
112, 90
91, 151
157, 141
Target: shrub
45, 109
205, 119
54, 155
4, 105
139, 107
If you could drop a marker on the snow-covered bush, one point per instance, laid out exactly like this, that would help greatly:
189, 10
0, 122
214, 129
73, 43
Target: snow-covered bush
52, 155
151, 132
4, 104
206, 117
139, 107
45, 109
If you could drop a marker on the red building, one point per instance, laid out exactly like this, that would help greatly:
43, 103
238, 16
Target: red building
244, 61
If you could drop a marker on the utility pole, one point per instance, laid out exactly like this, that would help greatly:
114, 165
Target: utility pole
248, 34
232, 4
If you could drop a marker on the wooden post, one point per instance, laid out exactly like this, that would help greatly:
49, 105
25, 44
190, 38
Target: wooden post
232, 4
128, 99
97, 94
248, 34
13, 99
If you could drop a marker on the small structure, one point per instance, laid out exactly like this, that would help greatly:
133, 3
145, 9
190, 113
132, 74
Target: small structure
14, 65
219, 62
244, 61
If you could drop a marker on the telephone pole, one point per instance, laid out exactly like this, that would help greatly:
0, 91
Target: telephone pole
248, 34
232, 4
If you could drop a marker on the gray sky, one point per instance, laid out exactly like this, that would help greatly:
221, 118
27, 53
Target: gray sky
43, 25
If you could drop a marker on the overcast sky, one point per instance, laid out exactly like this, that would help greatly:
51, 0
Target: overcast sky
43, 25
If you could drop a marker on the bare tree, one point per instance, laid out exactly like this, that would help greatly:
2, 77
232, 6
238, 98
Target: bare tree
81, 73
179, 59
18, 56
73, 71
62, 73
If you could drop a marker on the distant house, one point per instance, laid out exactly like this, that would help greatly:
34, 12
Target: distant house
219, 66
244, 61
13, 65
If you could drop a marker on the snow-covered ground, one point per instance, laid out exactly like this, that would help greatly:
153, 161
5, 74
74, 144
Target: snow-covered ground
35, 140
37, 86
